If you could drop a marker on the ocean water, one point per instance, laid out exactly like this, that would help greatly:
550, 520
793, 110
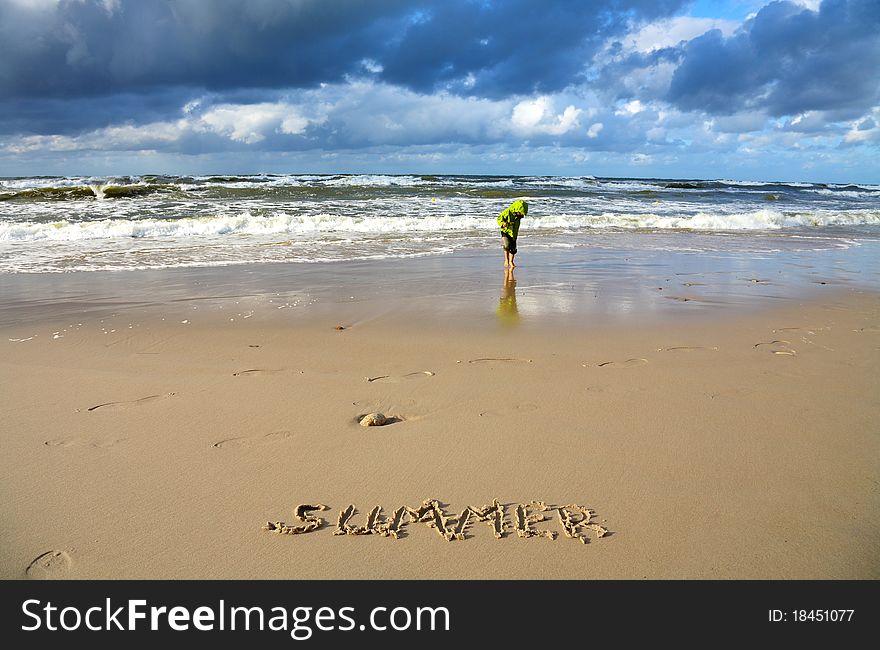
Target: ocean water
81, 224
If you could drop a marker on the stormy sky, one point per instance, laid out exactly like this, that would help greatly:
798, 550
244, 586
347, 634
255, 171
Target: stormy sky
786, 90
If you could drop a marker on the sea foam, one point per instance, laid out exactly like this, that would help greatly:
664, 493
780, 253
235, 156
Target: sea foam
309, 224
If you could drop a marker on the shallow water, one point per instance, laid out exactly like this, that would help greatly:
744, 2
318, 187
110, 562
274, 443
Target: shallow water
584, 286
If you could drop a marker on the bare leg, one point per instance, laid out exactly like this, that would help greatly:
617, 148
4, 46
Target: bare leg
512, 255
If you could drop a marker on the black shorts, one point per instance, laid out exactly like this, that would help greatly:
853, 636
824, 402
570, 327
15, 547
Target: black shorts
508, 242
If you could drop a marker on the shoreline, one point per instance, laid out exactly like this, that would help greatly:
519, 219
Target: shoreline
556, 288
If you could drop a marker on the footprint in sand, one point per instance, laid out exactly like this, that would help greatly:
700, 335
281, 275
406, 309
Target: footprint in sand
126, 403
252, 441
393, 379
50, 565
370, 405
524, 407
251, 372
778, 346
95, 443
493, 360
727, 393
629, 363
688, 348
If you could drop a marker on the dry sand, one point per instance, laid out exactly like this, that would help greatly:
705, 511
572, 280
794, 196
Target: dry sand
742, 448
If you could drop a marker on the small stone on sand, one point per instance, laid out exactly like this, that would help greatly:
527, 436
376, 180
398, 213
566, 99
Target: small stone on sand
373, 420
339, 328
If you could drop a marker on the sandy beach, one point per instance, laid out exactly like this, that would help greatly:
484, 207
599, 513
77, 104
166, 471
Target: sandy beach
158, 441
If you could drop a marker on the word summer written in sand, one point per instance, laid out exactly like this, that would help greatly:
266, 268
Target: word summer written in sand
575, 521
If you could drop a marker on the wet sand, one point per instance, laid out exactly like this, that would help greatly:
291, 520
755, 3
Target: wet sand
737, 442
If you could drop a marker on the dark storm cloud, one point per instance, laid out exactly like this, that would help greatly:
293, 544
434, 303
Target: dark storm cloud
511, 46
81, 48
78, 48
62, 116
786, 60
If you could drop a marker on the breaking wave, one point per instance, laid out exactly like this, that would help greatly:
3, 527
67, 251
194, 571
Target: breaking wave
312, 224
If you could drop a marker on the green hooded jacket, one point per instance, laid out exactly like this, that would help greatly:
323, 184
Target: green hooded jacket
510, 218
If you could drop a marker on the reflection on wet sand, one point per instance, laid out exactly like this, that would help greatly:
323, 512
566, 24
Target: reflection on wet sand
508, 314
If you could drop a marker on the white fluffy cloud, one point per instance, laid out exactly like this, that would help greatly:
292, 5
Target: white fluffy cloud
247, 124
537, 116
250, 123
355, 114
114, 138
630, 108
672, 31
864, 130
